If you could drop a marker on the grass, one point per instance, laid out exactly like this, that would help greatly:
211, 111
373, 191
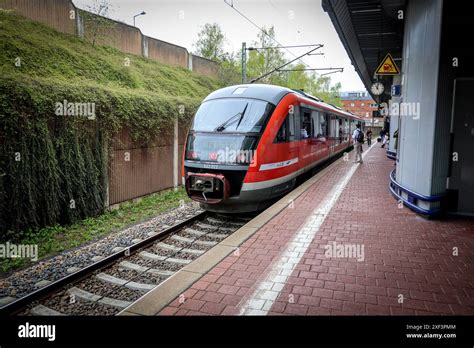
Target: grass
142, 96
51, 56
55, 239
39, 67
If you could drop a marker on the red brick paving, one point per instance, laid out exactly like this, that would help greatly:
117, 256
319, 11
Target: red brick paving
405, 254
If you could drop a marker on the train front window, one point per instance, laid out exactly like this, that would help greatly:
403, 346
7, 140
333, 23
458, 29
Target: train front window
221, 148
232, 115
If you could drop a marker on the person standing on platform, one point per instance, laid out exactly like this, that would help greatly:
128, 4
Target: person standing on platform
382, 137
385, 139
369, 137
358, 137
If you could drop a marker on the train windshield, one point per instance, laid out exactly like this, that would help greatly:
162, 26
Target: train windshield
232, 115
221, 148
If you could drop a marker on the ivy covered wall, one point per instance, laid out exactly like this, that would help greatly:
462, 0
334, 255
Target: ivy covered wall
54, 162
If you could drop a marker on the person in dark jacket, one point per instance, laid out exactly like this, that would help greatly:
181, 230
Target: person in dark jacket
369, 137
383, 133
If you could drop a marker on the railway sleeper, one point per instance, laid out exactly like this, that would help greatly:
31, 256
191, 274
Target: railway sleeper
122, 282
87, 296
42, 310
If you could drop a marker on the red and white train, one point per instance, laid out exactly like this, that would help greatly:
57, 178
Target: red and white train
248, 144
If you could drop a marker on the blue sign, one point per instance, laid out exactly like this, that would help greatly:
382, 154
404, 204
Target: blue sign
396, 90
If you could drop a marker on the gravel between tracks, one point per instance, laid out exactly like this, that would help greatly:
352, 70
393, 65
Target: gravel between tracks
23, 282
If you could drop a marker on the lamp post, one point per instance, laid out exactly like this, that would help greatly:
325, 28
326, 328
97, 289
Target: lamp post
140, 14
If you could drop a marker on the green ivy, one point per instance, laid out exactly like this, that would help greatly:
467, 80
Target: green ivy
53, 168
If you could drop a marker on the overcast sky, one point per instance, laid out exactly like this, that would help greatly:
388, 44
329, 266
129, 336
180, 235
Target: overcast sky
296, 22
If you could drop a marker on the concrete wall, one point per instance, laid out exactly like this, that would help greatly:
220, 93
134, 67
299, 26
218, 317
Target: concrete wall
110, 33
166, 52
151, 167
63, 16
58, 14
204, 66
420, 80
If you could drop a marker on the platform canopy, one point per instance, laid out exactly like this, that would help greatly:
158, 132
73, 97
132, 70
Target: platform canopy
368, 29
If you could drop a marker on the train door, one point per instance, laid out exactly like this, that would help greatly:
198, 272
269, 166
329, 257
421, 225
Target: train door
347, 132
320, 135
305, 137
332, 134
315, 142
339, 134
353, 127
292, 136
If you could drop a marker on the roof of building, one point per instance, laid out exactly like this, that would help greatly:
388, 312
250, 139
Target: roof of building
355, 95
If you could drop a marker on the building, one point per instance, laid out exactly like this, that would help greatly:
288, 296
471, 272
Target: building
429, 100
361, 104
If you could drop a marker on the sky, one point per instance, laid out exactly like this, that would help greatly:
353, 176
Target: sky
296, 22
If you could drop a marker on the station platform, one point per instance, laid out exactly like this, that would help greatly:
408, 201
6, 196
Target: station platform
339, 244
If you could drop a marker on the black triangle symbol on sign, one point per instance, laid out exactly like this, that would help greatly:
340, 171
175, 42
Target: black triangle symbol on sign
388, 66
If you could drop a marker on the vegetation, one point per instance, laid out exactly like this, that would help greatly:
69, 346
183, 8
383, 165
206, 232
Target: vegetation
53, 166
210, 44
96, 18
55, 239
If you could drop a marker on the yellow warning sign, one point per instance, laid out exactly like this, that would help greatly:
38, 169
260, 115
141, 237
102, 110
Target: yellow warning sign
387, 67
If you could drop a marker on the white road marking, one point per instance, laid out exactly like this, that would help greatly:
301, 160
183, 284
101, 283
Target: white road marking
267, 290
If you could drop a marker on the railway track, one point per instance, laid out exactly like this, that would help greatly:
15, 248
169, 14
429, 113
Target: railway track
114, 282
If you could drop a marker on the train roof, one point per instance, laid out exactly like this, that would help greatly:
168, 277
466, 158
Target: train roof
272, 94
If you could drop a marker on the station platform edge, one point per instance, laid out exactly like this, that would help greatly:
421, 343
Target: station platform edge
339, 244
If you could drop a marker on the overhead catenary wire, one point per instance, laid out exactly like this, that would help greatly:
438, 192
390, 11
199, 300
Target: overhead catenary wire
283, 65
266, 48
263, 31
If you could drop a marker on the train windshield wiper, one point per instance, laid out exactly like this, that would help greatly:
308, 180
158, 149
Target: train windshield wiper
232, 120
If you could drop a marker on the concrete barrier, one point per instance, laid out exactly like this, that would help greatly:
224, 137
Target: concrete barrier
57, 14
204, 66
63, 16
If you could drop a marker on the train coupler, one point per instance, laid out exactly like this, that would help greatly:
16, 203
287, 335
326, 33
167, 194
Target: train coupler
207, 187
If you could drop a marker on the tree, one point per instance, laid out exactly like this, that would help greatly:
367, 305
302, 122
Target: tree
321, 87
101, 9
298, 78
210, 43
230, 69
261, 62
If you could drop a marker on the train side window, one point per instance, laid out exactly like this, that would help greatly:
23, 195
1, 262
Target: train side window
282, 135
315, 124
323, 124
333, 127
339, 129
306, 129
287, 129
291, 126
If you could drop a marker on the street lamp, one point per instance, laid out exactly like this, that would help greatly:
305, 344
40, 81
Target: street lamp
140, 14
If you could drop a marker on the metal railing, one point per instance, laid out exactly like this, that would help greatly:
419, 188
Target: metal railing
413, 198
